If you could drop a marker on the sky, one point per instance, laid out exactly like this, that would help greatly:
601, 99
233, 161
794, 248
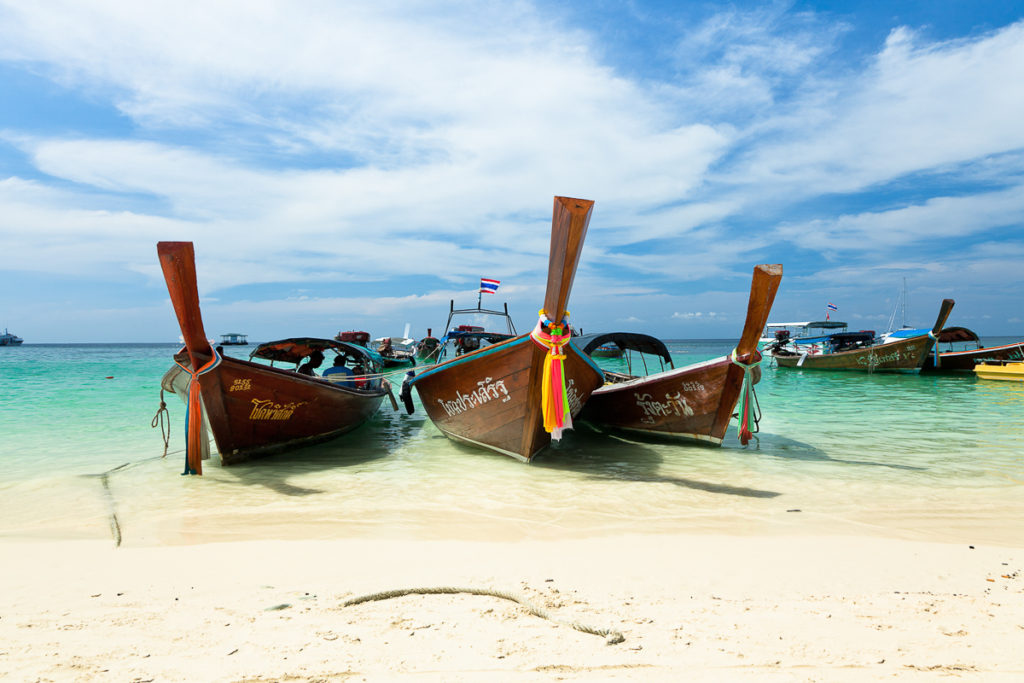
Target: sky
360, 165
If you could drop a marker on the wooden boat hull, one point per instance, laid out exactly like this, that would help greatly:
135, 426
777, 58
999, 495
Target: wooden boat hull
905, 355
484, 398
965, 361
255, 410
694, 402
1011, 372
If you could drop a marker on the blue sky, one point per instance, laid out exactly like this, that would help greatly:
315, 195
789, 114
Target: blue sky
356, 166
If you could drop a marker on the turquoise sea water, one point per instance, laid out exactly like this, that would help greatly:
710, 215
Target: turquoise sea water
931, 457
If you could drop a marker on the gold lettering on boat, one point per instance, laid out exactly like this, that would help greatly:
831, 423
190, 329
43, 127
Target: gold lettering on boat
241, 385
486, 391
265, 409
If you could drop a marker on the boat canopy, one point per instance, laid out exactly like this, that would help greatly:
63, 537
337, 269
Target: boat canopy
633, 341
906, 334
820, 324
293, 350
957, 334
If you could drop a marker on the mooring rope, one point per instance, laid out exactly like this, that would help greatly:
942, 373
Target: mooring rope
611, 637
163, 420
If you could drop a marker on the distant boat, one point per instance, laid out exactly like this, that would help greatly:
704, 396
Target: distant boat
234, 339
428, 349
801, 333
8, 339
696, 401
1012, 371
354, 337
255, 409
396, 351
607, 350
963, 350
463, 338
859, 351
496, 396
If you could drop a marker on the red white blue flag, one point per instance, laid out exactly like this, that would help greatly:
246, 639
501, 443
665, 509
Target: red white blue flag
489, 286
833, 307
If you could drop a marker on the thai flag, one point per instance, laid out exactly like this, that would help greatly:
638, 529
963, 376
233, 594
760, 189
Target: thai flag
488, 286
833, 307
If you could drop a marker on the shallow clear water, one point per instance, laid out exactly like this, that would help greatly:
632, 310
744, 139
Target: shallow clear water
930, 457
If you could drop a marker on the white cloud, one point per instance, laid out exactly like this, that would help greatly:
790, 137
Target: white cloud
920, 107
935, 219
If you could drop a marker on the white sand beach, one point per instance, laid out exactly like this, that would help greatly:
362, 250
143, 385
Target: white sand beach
690, 607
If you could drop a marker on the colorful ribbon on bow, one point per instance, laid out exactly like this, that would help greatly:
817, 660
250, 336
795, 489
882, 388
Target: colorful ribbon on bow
194, 416
747, 398
554, 398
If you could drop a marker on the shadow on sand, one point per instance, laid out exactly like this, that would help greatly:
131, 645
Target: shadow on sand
608, 457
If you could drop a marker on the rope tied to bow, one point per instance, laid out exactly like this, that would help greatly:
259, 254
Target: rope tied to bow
162, 419
194, 416
554, 397
748, 398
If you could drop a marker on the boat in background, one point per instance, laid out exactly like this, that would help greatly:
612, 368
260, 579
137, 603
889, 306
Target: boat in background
859, 351
428, 349
696, 401
255, 409
354, 337
396, 351
964, 351
234, 339
609, 349
8, 339
514, 396
800, 333
459, 339
1012, 371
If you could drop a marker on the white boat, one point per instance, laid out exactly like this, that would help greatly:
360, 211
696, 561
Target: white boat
806, 333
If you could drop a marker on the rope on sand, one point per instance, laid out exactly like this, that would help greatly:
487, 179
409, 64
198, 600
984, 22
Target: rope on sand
611, 637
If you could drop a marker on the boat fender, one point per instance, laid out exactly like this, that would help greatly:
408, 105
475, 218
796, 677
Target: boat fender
406, 393
803, 357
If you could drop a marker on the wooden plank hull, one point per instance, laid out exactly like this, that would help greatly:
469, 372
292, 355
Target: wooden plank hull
906, 355
486, 398
256, 410
964, 361
684, 402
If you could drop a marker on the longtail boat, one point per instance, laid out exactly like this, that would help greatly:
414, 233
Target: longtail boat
513, 397
848, 351
255, 409
970, 353
694, 402
428, 349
